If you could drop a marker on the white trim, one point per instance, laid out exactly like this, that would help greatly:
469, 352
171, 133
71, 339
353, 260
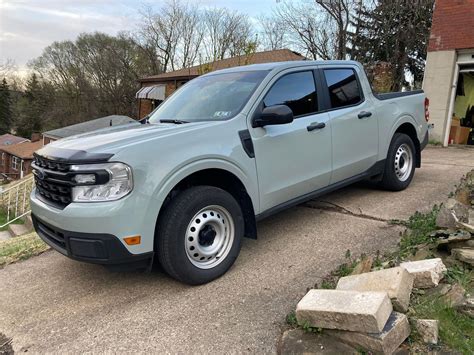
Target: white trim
453, 99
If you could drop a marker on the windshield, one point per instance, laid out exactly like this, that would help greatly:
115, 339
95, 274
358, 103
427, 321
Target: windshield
214, 97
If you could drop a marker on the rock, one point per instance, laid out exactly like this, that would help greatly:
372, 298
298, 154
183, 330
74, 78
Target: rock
364, 266
387, 341
464, 255
428, 330
471, 216
467, 307
455, 296
297, 341
421, 254
397, 282
463, 195
439, 290
445, 217
346, 310
454, 237
427, 273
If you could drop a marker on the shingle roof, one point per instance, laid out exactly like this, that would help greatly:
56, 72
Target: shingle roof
88, 126
23, 150
279, 55
9, 139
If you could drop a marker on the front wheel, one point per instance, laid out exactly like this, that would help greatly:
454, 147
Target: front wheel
199, 234
400, 164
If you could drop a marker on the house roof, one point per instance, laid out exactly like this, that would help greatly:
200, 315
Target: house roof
279, 55
9, 139
23, 150
88, 126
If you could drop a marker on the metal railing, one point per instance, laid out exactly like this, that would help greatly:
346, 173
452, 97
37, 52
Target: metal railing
15, 200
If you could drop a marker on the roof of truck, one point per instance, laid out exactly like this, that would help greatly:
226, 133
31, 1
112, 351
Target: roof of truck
285, 65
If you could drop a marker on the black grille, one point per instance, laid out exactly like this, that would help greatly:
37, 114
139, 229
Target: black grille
52, 235
53, 181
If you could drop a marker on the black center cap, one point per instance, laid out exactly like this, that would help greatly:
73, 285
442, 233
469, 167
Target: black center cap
207, 236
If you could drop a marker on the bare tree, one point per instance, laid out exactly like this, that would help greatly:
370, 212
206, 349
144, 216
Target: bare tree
310, 32
274, 33
228, 33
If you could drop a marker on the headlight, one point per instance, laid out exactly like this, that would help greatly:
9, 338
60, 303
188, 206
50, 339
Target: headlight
118, 183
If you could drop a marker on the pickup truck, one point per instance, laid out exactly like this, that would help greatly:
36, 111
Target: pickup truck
226, 150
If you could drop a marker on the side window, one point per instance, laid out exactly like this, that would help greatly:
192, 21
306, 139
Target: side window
343, 87
297, 91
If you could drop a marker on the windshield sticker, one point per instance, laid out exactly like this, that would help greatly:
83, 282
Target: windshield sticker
222, 114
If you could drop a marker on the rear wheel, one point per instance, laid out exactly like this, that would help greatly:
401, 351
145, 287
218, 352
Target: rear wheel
400, 164
199, 234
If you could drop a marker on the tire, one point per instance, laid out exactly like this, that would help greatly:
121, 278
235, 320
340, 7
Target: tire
400, 164
199, 234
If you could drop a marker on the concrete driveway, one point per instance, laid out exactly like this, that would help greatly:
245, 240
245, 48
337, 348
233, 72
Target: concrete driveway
52, 304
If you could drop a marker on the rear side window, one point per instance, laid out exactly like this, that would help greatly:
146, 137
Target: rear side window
344, 89
295, 90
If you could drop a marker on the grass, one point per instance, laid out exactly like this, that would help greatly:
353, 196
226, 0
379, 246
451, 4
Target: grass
21, 248
462, 276
435, 142
420, 226
3, 220
456, 330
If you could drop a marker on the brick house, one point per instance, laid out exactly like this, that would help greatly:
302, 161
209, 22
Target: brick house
15, 159
156, 88
449, 73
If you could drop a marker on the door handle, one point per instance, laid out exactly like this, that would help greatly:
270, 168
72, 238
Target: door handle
315, 125
364, 114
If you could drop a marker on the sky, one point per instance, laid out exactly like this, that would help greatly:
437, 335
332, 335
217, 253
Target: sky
28, 26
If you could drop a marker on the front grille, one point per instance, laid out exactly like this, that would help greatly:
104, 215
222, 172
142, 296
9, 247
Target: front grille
53, 181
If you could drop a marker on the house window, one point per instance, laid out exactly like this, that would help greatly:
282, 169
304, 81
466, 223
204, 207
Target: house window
16, 162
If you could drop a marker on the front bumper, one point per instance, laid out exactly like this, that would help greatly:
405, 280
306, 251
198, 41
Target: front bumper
95, 232
93, 248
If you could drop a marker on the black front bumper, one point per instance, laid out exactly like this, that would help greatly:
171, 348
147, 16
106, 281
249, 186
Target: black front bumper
93, 248
425, 140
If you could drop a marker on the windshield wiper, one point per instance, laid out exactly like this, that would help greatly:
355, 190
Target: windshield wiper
173, 121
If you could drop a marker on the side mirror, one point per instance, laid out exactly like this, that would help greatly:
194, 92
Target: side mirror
273, 115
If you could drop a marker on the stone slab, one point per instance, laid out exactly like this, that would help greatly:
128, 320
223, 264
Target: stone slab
428, 330
428, 273
397, 282
18, 229
5, 235
387, 341
464, 255
345, 310
297, 341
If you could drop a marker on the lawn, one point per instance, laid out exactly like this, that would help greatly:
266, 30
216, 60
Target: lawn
20, 248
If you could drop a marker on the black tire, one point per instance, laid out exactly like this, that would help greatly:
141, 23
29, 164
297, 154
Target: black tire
393, 178
173, 230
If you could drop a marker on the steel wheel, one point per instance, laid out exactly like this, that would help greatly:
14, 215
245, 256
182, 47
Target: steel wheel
403, 162
209, 237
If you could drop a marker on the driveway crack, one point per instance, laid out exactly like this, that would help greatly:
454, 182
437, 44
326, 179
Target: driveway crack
332, 207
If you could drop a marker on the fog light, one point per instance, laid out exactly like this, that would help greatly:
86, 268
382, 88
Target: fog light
85, 178
135, 240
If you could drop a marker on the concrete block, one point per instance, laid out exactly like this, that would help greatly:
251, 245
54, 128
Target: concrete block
297, 341
387, 341
428, 273
428, 330
346, 310
397, 282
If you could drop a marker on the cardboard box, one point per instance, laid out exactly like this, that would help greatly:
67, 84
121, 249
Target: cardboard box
456, 122
459, 135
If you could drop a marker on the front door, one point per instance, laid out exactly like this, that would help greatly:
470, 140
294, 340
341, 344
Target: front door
292, 159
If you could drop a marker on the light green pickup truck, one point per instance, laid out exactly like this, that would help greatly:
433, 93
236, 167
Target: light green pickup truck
226, 150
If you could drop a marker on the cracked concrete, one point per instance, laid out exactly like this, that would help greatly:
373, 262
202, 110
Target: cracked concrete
52, 304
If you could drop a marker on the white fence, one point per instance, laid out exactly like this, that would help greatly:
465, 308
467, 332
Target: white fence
15, 200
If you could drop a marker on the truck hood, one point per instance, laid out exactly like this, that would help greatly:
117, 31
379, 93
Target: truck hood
114, 139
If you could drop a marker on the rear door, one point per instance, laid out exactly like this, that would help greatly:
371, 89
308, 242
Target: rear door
293, 159
354, 123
